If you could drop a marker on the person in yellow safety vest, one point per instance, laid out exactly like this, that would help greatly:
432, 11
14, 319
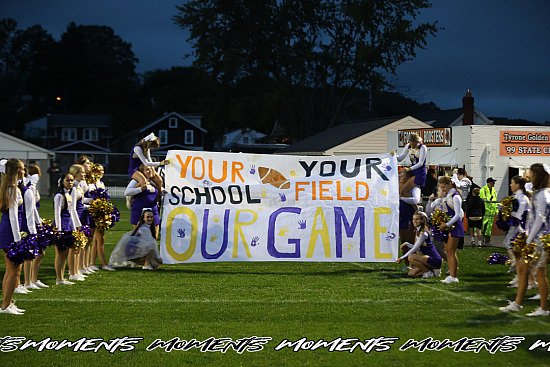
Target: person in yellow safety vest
489, 196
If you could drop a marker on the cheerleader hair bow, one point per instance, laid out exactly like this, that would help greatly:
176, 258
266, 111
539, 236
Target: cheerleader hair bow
3, 165
145, 209
33, 179
150, 137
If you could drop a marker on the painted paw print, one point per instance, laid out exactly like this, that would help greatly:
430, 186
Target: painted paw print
181, 233
263, 191
214, 238
206, 183
348, 188
350, 246
385, 167
294, 174
390, 236
284, 230
302, 224
252, 169
255, 241
383, 191
283, 197
216, 219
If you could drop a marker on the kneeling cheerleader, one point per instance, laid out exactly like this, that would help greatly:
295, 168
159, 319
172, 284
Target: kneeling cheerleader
427, 264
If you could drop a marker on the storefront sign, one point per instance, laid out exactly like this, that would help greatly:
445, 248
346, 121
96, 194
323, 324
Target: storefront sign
526, 143
430, 137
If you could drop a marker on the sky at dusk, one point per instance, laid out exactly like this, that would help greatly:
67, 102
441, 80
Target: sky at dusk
500, 50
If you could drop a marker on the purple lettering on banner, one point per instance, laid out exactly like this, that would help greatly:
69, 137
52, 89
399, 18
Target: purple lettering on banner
339, 219
204, 236
271, 236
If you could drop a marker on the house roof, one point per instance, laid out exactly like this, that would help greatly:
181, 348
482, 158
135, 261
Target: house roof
183, 117
338, 135
439, 119
78, 144
79, 120
25, 146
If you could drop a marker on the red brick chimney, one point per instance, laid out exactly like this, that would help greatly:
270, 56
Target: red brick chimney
468, 109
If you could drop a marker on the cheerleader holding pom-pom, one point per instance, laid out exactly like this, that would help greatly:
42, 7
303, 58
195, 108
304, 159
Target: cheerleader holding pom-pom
533, 253
427, 264
66, 219
34, 175
29, 222
76, 255
11, 202
513, 221
141, 154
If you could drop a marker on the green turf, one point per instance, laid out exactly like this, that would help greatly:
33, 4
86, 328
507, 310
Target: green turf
279, 300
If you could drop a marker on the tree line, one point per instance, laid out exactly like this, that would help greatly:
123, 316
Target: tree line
307, 65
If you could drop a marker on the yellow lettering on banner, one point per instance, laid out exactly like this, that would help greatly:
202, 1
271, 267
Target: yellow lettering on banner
323, 232
238, 230
379, 230
194, 230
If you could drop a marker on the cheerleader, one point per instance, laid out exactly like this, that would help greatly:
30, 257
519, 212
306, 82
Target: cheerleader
517, 185
139, 246
85, 217
98, 247
428, 264
417, 154
452, 203
29, 222
66, 219
34, 176
537, 226
145, 196
407, 207
11, 207
141, 154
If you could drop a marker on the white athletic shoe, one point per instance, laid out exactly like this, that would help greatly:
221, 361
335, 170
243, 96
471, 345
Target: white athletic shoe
535, 297
31, 286
21, 289
148, 267
95, 267
533, 286
11, 310
428, 275
12, 305
76, 277
40, 284
86, 271
63, 282
514, 281
450, 279
539, 312
512, 307
108, 268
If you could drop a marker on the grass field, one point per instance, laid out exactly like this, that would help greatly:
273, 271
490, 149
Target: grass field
277, 300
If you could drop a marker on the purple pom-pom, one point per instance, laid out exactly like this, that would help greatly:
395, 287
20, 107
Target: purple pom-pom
497, 258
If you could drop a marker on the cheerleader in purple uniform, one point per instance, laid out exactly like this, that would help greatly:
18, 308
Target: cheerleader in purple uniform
452, 205
86, 218
428, 264
139, 155
417, 154
537, 226
29, 221
98, 246
66, 219
34, 175
11, 207
80, 186
517, 185
407, 207
145, 197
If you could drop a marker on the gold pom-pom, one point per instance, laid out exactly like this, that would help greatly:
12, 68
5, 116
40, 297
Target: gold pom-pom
80, 240
505, 207
94, 174
101, 210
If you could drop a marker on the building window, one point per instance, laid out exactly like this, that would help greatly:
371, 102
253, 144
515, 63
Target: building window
68, 134
188, 136
245, 140
90, 134
173, 123
163, 136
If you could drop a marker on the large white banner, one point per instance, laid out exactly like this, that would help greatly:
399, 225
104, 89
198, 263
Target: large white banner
253, 207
